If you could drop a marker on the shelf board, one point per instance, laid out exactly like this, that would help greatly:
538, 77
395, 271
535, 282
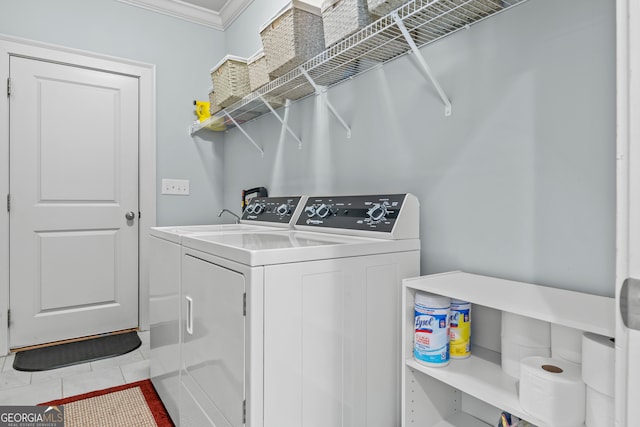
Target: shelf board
591, 313
426, 21
480, 376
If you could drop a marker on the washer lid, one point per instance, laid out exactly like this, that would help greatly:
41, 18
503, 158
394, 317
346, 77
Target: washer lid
175, 233
267, 248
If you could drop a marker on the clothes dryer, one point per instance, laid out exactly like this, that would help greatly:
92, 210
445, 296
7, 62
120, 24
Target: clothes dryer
263, 214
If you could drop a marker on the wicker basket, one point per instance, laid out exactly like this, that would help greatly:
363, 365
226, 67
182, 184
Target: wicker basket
230, 80
213, 105
341, 18
258, 74
292, 37
383, 7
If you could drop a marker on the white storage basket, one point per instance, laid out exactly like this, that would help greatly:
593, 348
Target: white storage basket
383, 7
230, 80
341, 18
258, 74
213, 106
293, 36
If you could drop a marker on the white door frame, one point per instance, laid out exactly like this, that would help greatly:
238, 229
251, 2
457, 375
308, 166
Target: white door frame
628, 191
147, 155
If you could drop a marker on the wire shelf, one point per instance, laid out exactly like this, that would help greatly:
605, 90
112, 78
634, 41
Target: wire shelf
373, 45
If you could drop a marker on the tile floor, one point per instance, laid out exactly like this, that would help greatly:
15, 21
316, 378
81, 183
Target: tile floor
30, 388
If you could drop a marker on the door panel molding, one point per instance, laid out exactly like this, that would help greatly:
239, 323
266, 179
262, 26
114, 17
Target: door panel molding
147, 166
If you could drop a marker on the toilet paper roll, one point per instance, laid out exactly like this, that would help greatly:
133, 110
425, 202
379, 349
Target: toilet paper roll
525, 331
566, 343
598, 362
553, 391
600, 409
513, 353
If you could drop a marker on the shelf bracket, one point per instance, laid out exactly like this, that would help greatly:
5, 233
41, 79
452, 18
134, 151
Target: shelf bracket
287, 104
319, 89
244, 132
283, 122
423, 64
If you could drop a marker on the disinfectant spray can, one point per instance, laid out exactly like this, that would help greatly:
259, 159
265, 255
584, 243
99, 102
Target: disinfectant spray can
460, 331
431, 339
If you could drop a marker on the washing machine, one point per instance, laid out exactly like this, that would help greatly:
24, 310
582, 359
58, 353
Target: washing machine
299, 328
263, 214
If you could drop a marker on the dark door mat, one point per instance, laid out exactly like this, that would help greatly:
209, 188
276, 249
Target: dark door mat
73, 353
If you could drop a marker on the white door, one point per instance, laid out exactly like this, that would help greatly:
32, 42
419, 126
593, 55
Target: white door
73, 143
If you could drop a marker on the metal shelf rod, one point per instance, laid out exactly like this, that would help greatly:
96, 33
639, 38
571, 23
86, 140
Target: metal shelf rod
287, 104
423, 64
284, 123
244, 133
319, 89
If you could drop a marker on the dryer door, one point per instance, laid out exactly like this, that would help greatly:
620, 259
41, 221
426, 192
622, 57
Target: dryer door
213, 339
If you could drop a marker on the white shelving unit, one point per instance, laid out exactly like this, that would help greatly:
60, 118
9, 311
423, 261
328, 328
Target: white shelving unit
435, 396
415, 24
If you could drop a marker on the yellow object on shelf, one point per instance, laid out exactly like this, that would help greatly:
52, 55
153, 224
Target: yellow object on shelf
202, 110
215, 124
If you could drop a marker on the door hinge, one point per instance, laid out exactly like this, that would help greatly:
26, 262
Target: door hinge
8, 87
244, 304
244, 411
8, 318
8, 202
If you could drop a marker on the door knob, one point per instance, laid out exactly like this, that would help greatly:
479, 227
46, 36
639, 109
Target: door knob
630, 303
130, 216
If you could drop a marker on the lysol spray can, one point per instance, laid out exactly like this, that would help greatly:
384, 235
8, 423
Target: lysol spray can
460, 330
431, 339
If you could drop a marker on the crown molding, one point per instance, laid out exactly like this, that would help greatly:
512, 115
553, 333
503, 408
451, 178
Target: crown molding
232, 10
192, 13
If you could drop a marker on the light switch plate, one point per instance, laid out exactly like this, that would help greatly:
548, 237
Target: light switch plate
175, 186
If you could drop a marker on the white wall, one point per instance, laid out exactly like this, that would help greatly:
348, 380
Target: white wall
183, 54
518, 183
243, 36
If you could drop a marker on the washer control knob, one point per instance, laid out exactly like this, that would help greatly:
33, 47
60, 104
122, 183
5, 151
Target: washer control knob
283, 209
258, 209
310, 210
250, 207
323, 211
377, 212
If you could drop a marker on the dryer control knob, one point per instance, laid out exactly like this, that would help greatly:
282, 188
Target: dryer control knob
310, 210
250, 207
323, 211
377, 212
283, 209
258, 209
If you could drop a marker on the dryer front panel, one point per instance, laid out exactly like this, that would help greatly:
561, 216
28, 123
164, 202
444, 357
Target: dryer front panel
213, 336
